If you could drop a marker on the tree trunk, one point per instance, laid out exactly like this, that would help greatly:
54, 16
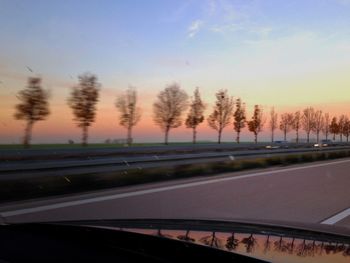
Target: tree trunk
333, 136
297, 139
318, 136
308, 137
129, 136
272, 135
166, 136
285, 135
219, 137
256, 138
85, 135
341, 137
27, 134
326, 135
194, 135
237, 138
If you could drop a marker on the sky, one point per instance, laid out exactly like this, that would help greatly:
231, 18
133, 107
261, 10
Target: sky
286, 54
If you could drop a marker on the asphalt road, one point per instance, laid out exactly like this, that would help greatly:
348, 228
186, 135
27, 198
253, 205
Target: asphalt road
311, 193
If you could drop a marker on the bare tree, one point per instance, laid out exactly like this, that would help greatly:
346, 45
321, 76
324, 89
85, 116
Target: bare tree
297, 124
169, 107
326, 126
83, 100
341, 124
308, 121
186, 237
346, 129
318, 124
334, 127
256, 124
222, 112
212, 241
33, 106
239, 118
286, 123
130, 113
250, 243
273, 122
195, 116
232, 242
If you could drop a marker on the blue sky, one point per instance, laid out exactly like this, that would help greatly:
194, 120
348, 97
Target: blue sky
267, 52
132, 36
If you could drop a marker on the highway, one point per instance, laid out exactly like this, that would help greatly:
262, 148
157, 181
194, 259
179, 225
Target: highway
19, 169
87, 152
311, 193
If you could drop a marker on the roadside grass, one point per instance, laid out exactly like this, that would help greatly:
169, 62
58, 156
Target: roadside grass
12, 190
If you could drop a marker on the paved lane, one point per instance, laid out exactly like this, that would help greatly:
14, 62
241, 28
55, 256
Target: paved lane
306, 193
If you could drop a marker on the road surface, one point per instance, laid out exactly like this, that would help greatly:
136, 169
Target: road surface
312, 193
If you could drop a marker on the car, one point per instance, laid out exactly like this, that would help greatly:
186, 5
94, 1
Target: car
326, 143
278, 144
323, 143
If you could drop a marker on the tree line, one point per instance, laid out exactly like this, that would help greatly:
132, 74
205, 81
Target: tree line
169, 111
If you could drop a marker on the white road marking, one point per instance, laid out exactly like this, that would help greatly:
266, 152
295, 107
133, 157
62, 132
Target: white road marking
336, 218
157, 190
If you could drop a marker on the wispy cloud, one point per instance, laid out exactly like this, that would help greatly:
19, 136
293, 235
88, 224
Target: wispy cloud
211, 7
262, 31
231, 17
194, 28
343, 2
223, 28
177, 13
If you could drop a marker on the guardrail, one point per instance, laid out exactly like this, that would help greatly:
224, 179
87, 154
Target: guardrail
45, 154
61, 165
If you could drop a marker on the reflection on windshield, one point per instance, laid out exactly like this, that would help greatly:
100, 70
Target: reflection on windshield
269, 247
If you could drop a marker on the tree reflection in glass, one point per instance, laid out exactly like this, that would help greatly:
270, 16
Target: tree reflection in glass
232, 242
267, 244
159, 233
186, 237
212, 241
249, 243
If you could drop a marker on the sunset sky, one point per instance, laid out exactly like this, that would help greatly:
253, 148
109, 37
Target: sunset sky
286, 54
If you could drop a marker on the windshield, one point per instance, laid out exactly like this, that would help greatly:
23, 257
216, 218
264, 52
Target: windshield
203, 109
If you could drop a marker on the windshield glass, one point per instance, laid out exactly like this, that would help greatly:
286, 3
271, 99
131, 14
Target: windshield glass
205, 109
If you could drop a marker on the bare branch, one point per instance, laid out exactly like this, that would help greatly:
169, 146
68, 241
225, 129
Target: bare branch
33, 106
169, 107
273, 122
195, 115
222, 112
130, 114
83, 100
256, 124
286, 123
308, 121
239, 118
